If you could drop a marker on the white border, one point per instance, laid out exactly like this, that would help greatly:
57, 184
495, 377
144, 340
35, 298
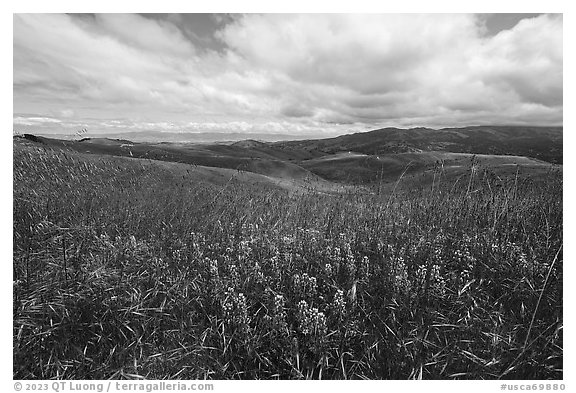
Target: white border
356, 6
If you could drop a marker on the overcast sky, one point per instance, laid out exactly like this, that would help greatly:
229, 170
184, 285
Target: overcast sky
303, 74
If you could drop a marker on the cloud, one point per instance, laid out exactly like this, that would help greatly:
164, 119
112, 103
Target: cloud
34, 120
367, 53
526, 60
56, 56
157, 36
385, 67
296, 110
66, 113
294, 72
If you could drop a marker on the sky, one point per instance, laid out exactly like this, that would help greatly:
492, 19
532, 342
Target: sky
314, 75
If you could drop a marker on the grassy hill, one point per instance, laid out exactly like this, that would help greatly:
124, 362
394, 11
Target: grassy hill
130, 268
543, 143
217, 156
362, 168
376, 157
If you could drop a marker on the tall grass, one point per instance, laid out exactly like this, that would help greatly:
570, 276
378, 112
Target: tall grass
126, 270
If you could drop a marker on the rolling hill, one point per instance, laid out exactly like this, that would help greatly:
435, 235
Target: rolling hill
381, 156
218, 156
363, 168
543, 143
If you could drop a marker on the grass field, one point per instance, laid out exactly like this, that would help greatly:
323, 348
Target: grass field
130, 269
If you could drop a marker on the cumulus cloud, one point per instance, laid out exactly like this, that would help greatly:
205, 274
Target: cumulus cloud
526, 60
146, 34
434, 67
295, 73
366, 53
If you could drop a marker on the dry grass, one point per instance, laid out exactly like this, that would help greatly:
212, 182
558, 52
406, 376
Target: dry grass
130, 271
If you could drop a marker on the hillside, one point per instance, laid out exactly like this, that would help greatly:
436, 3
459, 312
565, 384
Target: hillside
217, 156
363, 168
115, 154
418, 155
127, 268
543, 143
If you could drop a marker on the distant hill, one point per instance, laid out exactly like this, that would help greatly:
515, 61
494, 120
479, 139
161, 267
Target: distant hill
105, 141
188, 137
543, 143
219, 156
361, 168
379, 156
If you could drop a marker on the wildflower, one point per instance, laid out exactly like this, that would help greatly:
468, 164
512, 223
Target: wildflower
235, 309
311, 322
364, 269
338, 305
257, 274
234, 276
213, 269
436, 282
328, 270
277, 317
305, 287
274, 268
177, 255
333, 254
349, 264
400, 280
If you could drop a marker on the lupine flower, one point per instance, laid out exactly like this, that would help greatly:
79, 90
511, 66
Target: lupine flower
338, 305
436, 283
235, 309
401, 281
349, 264
234, 276
328, 270
305, 287
277, 317
311, 322
213, 269
333, 254
364, 269
177, 255
256, 273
